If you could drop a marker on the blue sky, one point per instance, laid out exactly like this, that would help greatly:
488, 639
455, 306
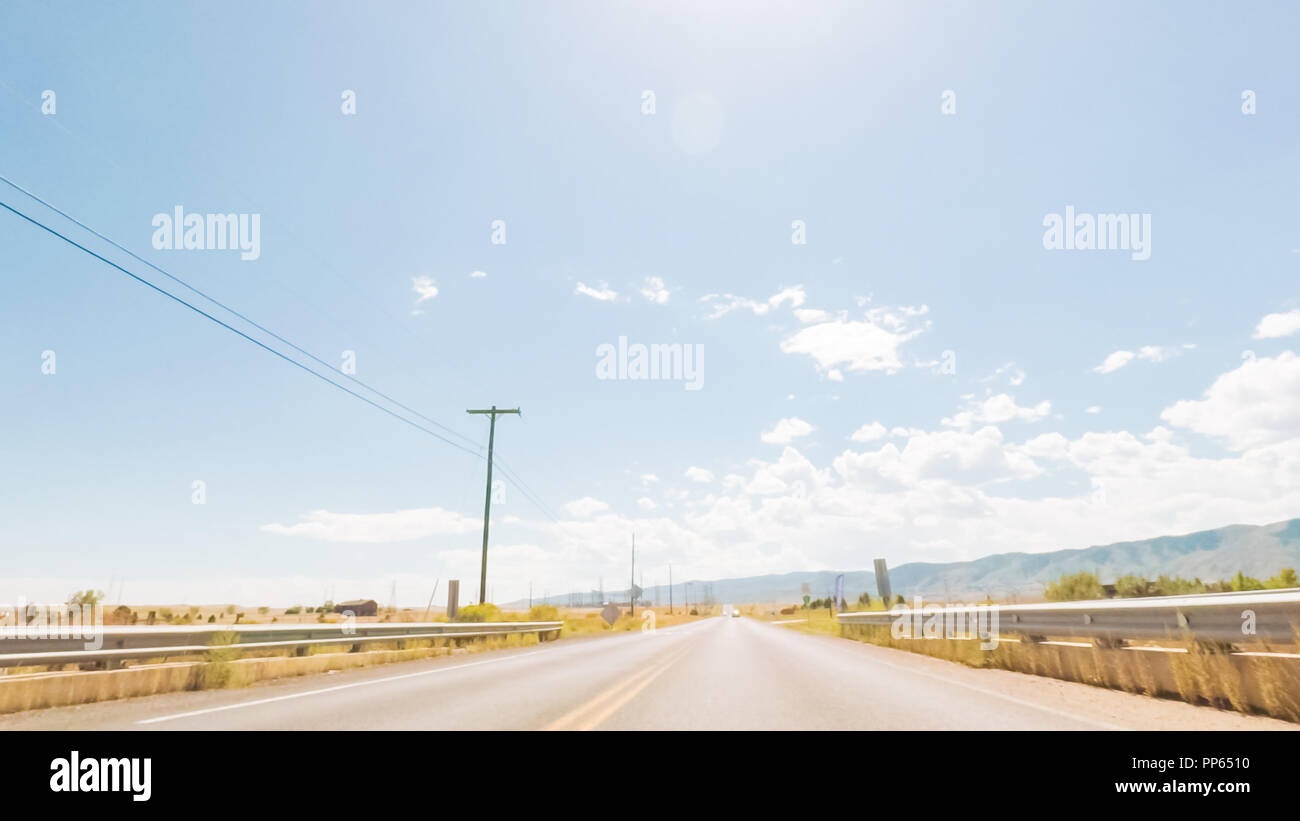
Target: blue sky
924, 236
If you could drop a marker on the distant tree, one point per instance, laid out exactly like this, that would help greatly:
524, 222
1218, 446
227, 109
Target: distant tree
1286, 578
1176, 586
86, 597
865, 599
1075, 587
1131, 586
1243, 582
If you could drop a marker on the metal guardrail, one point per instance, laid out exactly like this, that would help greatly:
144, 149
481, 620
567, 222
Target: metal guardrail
122, 643
1208, 617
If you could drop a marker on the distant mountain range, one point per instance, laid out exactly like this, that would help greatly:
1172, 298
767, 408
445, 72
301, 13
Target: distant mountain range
1256, 550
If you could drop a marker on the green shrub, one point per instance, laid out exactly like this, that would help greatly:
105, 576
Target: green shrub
1243, 582
479, 612
1075, 587
1287, 578
1131, 585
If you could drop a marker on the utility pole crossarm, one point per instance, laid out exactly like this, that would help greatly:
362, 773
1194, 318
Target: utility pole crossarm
492, 412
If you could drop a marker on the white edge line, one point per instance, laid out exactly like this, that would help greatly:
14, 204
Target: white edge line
306, 693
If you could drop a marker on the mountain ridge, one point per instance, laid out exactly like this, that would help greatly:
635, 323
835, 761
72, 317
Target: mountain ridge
1256, 550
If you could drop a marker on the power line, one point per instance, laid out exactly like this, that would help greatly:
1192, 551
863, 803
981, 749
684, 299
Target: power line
225, 307
526, 491
235, 330
512, 475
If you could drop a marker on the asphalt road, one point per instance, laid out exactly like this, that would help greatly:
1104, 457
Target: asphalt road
719, 673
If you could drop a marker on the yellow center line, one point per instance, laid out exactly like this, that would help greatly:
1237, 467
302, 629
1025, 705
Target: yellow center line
591, 714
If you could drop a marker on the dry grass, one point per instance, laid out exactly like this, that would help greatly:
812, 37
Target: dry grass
578, 622
1201, 675
225, 667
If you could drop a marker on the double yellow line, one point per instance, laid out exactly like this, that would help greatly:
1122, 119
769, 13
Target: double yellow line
595, 712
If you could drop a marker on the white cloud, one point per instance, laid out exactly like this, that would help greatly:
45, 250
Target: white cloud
648, 478
397, 526
954, 493
601, 292
1114, 362
585, 507
954, 456
786, 431
1092, 409
477, 274
654, 290
1256, 404
1015, 376
869, 433
1149, 353
995, 410
795, 296
1278, 325
807, 315
699, 474
868, 345
1156, 353
425, 287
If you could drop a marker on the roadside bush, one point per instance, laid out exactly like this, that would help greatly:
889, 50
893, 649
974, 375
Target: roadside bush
479, 612
1075, 587
544, 612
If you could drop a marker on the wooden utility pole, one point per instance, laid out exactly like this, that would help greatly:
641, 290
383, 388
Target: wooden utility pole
670, 588
487, 501
631, 585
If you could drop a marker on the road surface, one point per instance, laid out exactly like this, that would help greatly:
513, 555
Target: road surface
714, 674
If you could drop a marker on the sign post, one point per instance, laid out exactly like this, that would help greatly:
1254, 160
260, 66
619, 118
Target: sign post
882, 582
453, 599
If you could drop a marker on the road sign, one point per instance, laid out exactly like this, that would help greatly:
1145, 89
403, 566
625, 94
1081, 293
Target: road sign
636, 592
805, 588
806, 599
611, 613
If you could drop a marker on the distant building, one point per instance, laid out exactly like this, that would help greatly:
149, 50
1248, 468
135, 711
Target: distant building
360, 607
